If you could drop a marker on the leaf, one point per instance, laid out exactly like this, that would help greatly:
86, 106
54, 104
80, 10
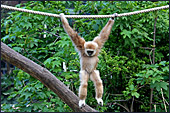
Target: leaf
29, 88
16, 29
48, 61
152, 85
165, 69
95, 27
133, 41
135, 31
139, 80
98, 22
22, 24
158, 87
45, 109
39, 85
37, 106
42, 95
27, 25
18, 49
126, 33
153, 80
68, 76
158, 78
31, 45
167, 93
136, 94
27, 109
127, 42
5, 38
26, 94
6, 93
150, 72
56, 63
164, 85
131, 87
162, 63
12, 95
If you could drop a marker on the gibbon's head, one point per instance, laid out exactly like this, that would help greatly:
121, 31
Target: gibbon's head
90, 48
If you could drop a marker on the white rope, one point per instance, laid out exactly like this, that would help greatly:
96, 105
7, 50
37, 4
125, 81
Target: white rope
84, 16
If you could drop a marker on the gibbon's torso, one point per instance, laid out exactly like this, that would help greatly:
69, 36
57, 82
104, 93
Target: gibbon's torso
88, 64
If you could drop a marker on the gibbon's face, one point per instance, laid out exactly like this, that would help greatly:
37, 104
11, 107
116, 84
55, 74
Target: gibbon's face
90, 48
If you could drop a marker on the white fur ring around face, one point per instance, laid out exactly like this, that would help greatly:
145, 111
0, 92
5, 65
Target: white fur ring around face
81, 103
99, 101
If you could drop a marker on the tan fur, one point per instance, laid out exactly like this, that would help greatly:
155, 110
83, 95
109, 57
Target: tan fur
95, 77
88, 63
84, 77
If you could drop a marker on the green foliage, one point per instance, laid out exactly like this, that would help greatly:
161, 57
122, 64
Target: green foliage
30, 95
124, 67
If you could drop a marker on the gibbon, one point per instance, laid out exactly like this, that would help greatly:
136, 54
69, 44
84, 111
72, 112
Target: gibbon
88, 53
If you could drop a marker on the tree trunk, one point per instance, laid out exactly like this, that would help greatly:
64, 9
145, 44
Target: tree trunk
43, 75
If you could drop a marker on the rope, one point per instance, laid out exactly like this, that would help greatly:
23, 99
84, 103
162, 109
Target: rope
84, 16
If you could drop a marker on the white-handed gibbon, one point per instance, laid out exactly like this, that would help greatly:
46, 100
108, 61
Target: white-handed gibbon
88, 52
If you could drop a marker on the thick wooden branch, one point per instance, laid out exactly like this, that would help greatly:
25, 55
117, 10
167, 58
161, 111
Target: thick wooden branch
43, 75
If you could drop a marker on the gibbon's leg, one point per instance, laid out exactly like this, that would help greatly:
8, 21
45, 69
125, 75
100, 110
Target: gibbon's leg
83, 87
95, 77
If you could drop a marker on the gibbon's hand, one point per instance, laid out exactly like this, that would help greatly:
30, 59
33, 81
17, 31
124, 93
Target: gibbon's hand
115, 15
63, 18
61, 14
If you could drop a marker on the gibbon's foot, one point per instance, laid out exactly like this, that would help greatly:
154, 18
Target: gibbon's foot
99, 101
81, 103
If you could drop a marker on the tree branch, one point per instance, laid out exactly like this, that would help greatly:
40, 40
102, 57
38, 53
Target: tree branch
163, 100
121, 106
153, 59
43, 75
131, 108
145, 47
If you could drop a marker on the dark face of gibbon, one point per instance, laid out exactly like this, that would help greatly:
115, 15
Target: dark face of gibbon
90, 48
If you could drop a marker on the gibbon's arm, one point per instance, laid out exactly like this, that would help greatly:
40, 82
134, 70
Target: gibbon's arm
77, 40
104, 34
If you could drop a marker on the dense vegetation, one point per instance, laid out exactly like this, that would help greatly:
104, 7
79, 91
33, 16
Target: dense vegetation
127, 69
